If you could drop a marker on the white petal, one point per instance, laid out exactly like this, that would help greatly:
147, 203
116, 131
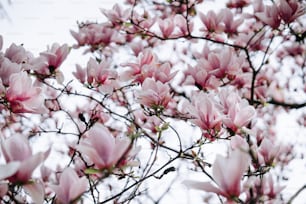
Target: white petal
9, 169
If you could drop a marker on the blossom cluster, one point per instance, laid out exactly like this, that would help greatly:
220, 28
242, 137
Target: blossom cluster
223, 76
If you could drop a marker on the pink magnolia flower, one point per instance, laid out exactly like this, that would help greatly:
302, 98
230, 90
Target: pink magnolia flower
20, 161
243, 80
227, 173
147, 122
56, 55
270, 188
180, 22
228, 97
103, 149
80, 74
289, 10
212, 22
145, 22
214, 65
163, 73
116, 15
154, 94
267, 152
239, 115
97, 34
80, 37
230, 24
22, 96
50, 60
264, 187
137, 46
143, 68
166, 26
99, 72
70, 186
201, 77
255, 42
7, 68
99, 75
223, 63
148, 57
206, 114
18, 54
148, 66
270, 16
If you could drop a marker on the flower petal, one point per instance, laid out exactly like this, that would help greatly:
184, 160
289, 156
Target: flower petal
228, 172
28, 166
36, 190
3, 189
78, 188
220, 173
92, 154
121, 148
102, 141
16, 148
7, 170
205, 186
1, 42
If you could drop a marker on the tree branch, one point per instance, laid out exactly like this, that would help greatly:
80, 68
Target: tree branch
296, 194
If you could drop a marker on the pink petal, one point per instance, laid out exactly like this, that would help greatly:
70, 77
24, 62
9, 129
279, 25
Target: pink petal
7, 69
78, 188
62, 190
92, 154
205, 186
245, 116
67, 178
61, 194
67, 181
238, 163
237, 142
48, 55
7, 170
220, 173
28, 166
121, 148
102, 141
70, 186
3, 187
1, 42
36, 190
16, 148
285, 10
228, 172
19, 82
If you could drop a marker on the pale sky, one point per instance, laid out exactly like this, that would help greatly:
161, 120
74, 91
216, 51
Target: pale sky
38, 23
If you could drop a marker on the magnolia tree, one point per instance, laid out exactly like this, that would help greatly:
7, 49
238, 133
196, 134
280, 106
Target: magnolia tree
178, 98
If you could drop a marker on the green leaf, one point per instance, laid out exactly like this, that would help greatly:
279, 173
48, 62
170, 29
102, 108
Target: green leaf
92, 171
